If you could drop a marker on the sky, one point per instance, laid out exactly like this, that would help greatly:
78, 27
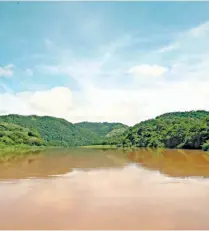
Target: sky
103, 61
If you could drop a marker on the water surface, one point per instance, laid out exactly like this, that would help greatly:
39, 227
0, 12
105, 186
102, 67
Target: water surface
105, 189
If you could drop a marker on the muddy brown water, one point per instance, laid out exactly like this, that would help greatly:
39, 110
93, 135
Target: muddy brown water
105, 189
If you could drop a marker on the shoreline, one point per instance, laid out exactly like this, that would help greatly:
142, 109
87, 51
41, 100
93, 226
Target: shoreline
37, 148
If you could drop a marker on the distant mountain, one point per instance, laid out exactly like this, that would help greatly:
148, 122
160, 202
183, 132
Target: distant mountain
116, 132
103, 129
188, 130
55, 131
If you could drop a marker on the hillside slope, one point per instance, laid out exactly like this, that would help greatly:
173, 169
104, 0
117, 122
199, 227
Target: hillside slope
54, 131
189, 130
199, 114
102, 129
59, 132
12, 134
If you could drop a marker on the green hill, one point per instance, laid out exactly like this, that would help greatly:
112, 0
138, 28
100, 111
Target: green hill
101, 129
54, 131
116, 132
12, 134
189, 130
59, 132
199, 114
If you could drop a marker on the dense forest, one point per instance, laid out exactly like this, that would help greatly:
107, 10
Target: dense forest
187, 130
12, 134
54, 131
103, 129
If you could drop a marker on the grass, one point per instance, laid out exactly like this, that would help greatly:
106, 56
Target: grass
20, 148
15, 155
99, 146
15, 152
8, 153
110, 147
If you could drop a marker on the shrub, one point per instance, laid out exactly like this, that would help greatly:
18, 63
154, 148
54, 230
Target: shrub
6, 140
205, 146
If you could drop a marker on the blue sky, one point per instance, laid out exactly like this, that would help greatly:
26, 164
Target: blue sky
103, 61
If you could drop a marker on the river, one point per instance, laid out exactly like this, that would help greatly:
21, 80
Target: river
105, 189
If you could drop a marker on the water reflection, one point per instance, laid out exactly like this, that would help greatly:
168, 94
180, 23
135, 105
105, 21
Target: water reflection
112, 189
179, 163
108, 198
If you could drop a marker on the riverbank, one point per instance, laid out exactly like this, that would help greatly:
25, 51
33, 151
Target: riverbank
18, 151
99, 146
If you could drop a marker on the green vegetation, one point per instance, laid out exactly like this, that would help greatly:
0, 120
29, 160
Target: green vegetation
205, 146
105, 132
50, 131
116, 132
100, 146
53, 131
12, 134
16, 152
103, 129
186, 130
199, 114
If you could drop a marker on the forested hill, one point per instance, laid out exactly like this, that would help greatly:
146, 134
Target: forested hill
103, 129
199, 114
172, 130
189, 130
13, 134
54, 131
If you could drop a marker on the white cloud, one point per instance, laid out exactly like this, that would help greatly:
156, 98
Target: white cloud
55, 102
168, 48
84, 72
182, 86
97, 104
6, 71
200, 30
12, 103
147, 70
192, 41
